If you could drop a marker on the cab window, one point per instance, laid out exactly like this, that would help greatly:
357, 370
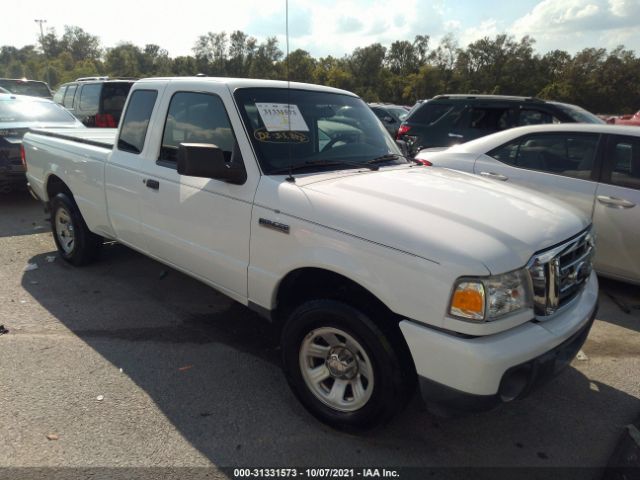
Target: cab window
196, 118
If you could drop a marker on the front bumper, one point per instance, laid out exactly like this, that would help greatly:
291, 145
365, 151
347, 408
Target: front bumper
478, 373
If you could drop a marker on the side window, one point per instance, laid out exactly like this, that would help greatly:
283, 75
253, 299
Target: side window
623, 162
535, 117
490, 119
68, 96
430, 113
136, 121
507, 153
196, 118
59, 95
90, 97
570, 155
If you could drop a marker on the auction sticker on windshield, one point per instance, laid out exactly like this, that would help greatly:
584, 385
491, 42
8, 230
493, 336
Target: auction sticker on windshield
278, 117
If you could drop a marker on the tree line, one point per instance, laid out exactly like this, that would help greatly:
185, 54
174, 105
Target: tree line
599, 80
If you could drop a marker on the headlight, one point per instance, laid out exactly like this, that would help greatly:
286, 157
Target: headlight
489, 298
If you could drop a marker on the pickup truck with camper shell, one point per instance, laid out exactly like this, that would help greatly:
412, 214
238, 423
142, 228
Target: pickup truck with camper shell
380, 274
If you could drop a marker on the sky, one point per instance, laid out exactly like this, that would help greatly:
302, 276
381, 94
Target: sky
336, 27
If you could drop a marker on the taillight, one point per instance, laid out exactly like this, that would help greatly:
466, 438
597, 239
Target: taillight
403, 130
424, 162
23, 156
105, 120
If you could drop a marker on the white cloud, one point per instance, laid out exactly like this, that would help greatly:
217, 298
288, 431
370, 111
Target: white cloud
489, 28
575, 24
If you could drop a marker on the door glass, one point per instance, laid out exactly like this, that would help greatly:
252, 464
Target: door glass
570, 155
624, 162
196, 118
490, 119
68, 96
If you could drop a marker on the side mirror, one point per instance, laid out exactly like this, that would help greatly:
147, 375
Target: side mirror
209, 161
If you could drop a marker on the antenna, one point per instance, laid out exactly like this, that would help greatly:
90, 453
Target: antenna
290, 177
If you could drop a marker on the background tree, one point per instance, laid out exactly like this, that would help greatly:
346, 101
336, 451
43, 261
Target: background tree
594, 78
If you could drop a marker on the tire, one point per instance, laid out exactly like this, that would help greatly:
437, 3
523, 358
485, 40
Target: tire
354, 385
76, 243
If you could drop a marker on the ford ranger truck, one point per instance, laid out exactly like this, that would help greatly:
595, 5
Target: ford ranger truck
381, 275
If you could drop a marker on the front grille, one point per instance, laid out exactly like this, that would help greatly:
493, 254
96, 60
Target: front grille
559, 274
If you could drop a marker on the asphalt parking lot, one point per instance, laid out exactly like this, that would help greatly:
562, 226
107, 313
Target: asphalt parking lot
129, 363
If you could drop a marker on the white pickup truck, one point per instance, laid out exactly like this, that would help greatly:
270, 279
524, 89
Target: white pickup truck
381, 274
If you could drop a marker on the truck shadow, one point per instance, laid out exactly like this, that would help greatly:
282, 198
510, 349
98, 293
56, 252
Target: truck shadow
212, 368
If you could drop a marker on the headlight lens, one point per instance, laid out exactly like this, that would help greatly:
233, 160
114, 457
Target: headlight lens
486, 299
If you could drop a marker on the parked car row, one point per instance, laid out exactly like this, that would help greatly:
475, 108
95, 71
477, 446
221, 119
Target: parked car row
447, 120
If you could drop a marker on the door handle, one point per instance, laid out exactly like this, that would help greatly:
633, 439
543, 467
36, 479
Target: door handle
153, 184
615, 202
495, 176
455, 135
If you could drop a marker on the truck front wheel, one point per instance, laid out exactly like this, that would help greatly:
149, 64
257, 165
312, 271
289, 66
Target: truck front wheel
76, 243
341, 366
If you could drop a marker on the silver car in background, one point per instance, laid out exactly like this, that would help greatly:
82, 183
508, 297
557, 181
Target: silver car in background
595, 168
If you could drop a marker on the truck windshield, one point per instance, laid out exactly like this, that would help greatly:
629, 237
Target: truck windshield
314, 131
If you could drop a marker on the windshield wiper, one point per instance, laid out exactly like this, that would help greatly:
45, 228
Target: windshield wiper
324, 163
387, 157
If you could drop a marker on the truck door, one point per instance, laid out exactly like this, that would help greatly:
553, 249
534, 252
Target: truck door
123, 176
199, 225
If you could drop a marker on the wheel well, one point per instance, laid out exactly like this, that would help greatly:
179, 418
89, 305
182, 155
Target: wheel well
315, 283
55, 185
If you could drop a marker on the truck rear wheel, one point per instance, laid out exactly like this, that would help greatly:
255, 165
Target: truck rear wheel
341, 366
76, 243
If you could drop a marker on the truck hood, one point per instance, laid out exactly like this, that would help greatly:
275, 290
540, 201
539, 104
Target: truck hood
441, 215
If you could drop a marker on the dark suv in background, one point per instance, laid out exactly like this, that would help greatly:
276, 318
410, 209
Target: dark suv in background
95, 101
446, 120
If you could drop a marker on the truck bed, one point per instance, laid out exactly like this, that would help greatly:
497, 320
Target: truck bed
99, 137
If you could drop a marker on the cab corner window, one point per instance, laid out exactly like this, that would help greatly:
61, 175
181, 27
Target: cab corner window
196, 118
136, 121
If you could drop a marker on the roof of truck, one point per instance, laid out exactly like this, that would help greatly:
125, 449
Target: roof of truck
234, 83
